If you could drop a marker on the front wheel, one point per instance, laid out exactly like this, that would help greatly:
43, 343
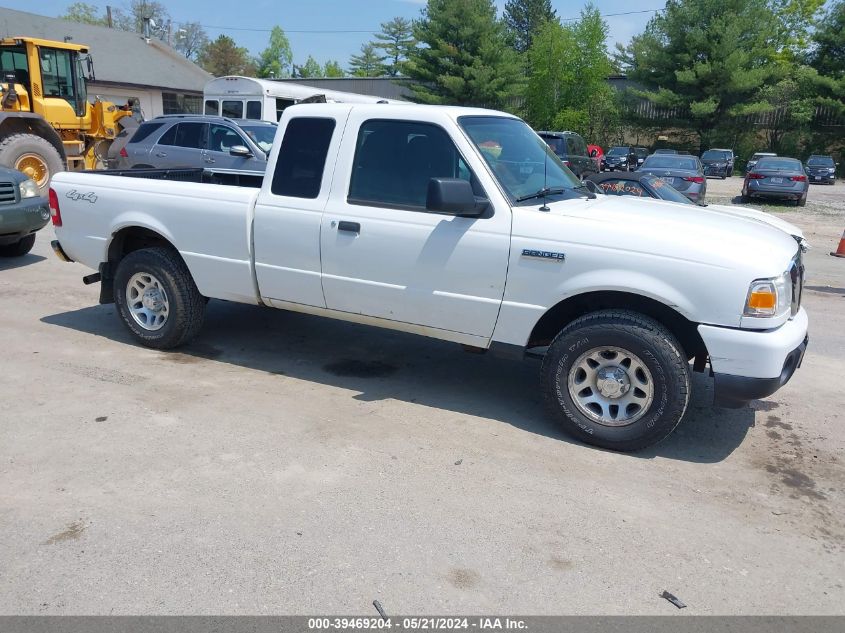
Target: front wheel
19, 248
157, 299
616, 379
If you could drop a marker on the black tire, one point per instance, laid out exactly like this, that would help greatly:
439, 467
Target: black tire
14, 147
654, 346
186, 304
744, 199
802, 202
19, 248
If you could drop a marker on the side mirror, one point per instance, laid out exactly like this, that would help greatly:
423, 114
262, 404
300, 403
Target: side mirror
240, 150
455, 197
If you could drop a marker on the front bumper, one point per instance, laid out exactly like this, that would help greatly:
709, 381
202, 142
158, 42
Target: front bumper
752, 364
821, 178
19, 219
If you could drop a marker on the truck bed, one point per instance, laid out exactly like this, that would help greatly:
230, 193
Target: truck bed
229, 177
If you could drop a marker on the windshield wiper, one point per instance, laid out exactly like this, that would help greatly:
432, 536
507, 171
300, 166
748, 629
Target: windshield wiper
545, 191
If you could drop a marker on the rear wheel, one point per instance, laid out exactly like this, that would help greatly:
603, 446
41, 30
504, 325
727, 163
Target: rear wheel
616, 379
157, 299
20, 248
32, 155
802, 201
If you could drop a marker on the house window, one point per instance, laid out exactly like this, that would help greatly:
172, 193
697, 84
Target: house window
180, 103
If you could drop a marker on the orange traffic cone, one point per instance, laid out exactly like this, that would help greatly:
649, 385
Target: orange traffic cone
840, 252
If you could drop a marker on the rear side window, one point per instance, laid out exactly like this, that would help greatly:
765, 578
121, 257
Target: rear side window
233, 109
576, 145
302, 157
145, 130
253, 109
169, 137
191, 135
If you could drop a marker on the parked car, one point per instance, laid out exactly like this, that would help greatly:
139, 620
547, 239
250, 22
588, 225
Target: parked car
185, 140
684, 173
572, 150
23, 211
642, 154
621, 158
821, 169
756, 157
452, 223
777, 178
639, 185
718, 162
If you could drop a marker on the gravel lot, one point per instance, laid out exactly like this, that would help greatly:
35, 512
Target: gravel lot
289, 464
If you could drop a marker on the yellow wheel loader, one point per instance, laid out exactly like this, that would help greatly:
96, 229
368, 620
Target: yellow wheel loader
47, 123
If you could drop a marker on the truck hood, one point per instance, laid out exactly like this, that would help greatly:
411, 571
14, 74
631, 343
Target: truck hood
725, 238
759, 216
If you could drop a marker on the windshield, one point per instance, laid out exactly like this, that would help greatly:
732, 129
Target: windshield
759, 156
820, 161
521, 161
670, 162
714, 154
618, 151
665, 190
261, 135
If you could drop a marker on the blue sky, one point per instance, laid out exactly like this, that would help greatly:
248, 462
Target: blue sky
347, 15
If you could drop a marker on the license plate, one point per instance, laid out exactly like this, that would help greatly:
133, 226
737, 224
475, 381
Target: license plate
668, 180
817, 177
777, 180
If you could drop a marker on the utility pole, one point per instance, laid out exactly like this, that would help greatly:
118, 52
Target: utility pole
108, 17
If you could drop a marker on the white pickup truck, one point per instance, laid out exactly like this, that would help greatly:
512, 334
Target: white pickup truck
460, 224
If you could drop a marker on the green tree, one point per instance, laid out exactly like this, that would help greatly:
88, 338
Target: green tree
223, 57
189, 39
827, 54
396, 40
139, 11
84, 13
465, 59
277, 59
567, 85
309, 69
706, 60
333, 69
796, 19
368, 63
524, 18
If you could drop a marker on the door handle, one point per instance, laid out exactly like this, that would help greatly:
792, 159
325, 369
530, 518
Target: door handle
161, 154
351, 227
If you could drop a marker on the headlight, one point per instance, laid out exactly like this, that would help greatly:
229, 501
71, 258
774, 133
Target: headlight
769, 297
28, 188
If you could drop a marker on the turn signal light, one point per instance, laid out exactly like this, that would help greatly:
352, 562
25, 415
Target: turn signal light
55, 212
697, 179
762, 300
798, 178
123, 153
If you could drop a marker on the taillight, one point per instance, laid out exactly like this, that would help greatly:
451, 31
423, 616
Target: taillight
55, 212
697, 179
755, 176
567, 163
123, 153
798, 178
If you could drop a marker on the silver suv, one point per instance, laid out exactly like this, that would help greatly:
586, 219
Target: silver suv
187, 140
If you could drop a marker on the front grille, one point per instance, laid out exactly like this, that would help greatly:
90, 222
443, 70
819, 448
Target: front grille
796, 274
7, 192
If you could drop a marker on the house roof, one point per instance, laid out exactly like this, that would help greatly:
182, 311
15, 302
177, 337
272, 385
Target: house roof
120, 57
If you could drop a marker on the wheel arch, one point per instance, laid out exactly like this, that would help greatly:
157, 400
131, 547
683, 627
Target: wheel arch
569, 309
12, 123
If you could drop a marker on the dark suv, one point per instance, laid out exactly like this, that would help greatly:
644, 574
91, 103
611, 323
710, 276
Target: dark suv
821, 169
620, 158
23, 211
572, 150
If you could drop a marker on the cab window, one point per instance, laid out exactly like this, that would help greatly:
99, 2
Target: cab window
394, 161
302, 157
57, 73
13, 62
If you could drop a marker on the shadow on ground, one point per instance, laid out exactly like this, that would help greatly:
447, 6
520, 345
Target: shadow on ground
380, 364
10, 263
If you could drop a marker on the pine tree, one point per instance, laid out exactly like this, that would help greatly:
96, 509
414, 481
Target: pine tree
223, 57
368, 64
333, 69
396, 40
524, 18
465, 60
